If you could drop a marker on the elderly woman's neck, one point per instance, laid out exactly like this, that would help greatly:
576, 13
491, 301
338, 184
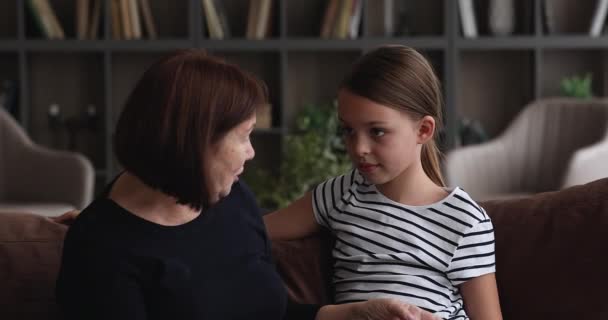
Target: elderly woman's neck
147, 203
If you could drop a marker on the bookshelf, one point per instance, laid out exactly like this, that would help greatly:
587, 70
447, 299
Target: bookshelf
486, 78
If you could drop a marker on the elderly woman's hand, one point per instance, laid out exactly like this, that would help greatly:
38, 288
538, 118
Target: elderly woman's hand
380, 309
66, 218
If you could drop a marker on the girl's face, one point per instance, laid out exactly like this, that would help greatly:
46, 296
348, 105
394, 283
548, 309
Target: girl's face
381, 141
227, 159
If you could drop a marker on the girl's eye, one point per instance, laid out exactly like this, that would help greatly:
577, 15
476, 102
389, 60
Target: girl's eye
377, 132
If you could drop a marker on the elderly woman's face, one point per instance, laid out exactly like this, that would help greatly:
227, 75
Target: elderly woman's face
227, 159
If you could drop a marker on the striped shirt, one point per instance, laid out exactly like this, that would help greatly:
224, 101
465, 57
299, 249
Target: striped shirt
418, 254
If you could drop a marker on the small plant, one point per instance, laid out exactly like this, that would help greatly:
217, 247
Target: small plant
577, 86
311, 155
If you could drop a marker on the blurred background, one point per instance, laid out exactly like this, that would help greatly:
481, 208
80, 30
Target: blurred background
523, 81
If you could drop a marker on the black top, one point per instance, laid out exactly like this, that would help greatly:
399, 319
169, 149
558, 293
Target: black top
116, 265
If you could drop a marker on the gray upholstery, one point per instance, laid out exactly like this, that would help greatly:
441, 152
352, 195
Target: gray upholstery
551, 144
38, 179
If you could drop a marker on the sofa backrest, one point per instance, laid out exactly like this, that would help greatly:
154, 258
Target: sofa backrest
30, 251
552, 253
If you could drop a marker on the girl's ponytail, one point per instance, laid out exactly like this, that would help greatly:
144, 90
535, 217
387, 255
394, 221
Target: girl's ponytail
431, 162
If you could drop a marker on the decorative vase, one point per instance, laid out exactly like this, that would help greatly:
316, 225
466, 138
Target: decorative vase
501, 17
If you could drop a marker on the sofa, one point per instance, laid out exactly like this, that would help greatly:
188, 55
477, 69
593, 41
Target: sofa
551, 250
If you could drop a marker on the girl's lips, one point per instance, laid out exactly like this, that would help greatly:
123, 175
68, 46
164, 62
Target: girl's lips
367, 167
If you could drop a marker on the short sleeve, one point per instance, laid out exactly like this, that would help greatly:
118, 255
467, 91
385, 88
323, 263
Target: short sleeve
326, 196
474, 255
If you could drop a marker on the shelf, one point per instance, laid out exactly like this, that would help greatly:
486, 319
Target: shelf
10, 45
560, 63
313, 78
105, 45
314, 44
492, 43
486, 78
493, 93
573, 42
242, 44
81, 87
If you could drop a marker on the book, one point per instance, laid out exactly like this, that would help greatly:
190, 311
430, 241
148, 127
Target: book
82, 17
252, 17
127, 32
96, 14
342, 25
329, 18
599, 18
42, 24
467, 18
389, 18
134, 18
355, 19
49, 19
146, 13
263, 20
213, 21
116, 19
48, 10
223, 19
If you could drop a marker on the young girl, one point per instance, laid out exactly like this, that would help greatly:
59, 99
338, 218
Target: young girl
399, 232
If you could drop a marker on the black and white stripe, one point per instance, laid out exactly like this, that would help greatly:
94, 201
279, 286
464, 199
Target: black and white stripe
419, 254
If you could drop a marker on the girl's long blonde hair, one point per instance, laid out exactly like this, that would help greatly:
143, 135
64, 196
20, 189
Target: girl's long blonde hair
399, 77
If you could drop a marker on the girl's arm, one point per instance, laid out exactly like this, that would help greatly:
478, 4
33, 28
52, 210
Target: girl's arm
481, 298
292, 222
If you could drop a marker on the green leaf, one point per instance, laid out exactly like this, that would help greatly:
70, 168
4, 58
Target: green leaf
311, 155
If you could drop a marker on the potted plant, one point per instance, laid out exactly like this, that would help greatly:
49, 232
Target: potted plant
577, 86
311, 154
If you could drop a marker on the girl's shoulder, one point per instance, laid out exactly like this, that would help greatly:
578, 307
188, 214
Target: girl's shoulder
350, 178
459, 203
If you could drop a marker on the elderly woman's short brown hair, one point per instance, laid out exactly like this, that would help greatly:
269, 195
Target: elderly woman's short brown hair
182, 105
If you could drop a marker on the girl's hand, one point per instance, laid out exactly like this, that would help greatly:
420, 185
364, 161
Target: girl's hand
66, 218
390, 309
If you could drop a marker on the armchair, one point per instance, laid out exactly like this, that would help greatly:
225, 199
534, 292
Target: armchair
37, 179
551, 144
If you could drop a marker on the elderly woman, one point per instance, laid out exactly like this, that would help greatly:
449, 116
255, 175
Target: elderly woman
176, 234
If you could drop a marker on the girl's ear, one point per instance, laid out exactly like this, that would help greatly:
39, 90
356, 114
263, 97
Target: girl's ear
426, 129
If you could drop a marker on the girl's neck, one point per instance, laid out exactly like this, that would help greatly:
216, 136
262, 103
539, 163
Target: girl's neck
413, 187
149, 204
